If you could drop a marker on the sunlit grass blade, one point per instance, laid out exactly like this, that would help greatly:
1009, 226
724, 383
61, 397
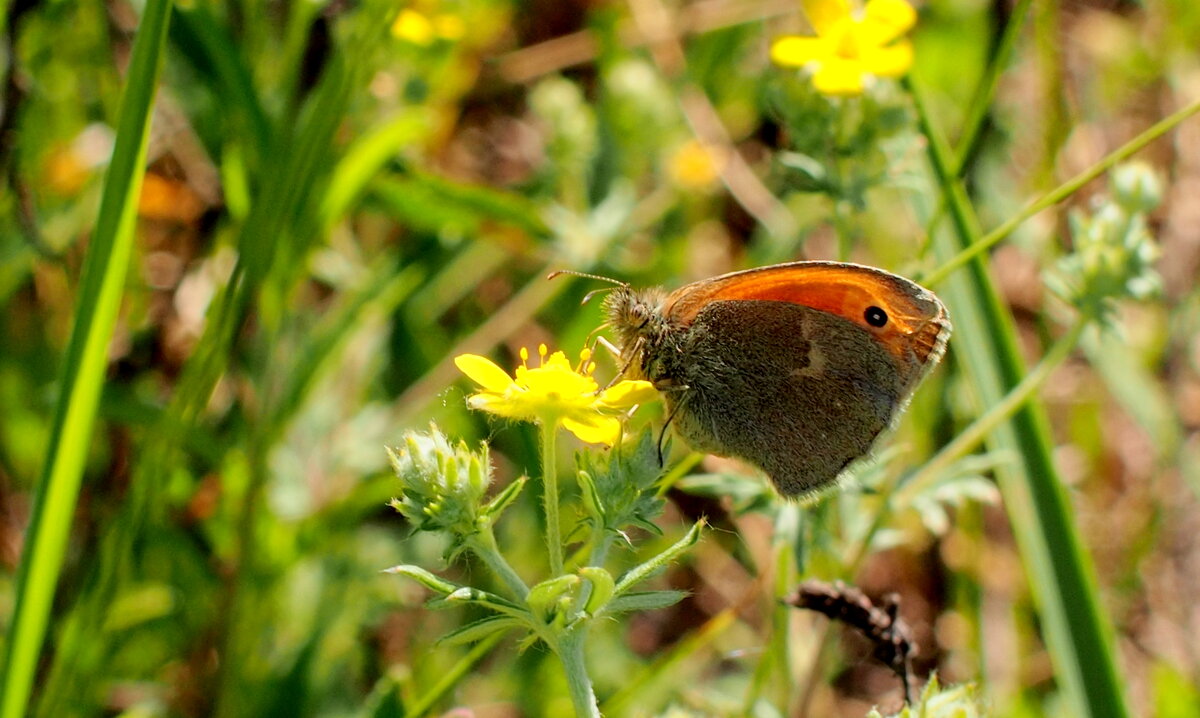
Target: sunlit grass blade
282, 214
82, 377
422, 705
386, 288
1060, 571
366, 157
649, 685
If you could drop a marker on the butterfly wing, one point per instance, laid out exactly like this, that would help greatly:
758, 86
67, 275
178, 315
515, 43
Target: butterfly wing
798, 392
915, 333
791, 368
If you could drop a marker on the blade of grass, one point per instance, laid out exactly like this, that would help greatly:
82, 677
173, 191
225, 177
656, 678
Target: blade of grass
422, 705
211, 49
96, 312
970, 138
295, 162
969, 438
384, 290
366, 157
972, 132
1060, 571
645, 688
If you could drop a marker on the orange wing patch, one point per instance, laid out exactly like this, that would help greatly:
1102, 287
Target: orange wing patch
917, 320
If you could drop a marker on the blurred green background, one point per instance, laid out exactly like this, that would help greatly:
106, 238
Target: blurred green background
341, 196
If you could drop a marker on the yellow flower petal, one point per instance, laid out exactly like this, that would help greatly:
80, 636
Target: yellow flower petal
886, 20
839, 77
796, 51
498, 405
824, 15
593, 428
628, 393
890, 61
553, 393
483, 371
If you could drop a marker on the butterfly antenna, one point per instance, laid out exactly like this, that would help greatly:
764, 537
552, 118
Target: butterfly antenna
588, 297
585, 275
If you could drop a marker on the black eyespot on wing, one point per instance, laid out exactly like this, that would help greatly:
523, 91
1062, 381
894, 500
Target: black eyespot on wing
875, 316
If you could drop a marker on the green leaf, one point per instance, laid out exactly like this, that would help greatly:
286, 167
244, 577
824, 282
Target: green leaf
643, 571
618, 487
433, 204
366, 157
429, 580
481, 629
485, 599
215, 54
591, 499
1061, 575
644, 601
96, 309
502, 500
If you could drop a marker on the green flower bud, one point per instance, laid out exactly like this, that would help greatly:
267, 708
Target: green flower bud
618, 487
551, 599
1136, 187
442, 485
1114, 250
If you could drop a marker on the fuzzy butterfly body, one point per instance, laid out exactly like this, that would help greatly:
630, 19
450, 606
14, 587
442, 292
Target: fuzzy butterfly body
796, 368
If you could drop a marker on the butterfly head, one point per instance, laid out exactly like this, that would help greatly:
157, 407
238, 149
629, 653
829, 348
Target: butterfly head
636, 316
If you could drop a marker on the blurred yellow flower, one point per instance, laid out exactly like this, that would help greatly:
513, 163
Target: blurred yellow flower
850, 45
413, 27
554, 393
418, 28
449, 27
694, 165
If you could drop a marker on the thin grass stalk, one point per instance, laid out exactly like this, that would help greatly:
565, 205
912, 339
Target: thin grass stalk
640, 689
969, 140
424, 704
983, 242
977, 111
1060, 571
978, 431
96, 311
283, 191
271, 268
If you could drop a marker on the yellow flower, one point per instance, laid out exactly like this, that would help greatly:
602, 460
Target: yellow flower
413, 27
554, 392
850, 46
695, 166
421, 29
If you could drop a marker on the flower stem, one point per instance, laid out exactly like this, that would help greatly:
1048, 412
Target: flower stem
550, 496
570, 652
484, 546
